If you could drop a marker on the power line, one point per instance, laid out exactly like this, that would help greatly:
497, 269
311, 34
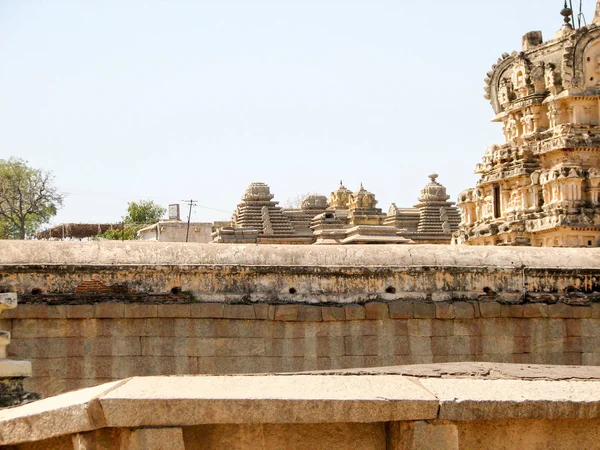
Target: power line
113, 196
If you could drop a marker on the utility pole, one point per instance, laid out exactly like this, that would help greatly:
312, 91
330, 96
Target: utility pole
190, 203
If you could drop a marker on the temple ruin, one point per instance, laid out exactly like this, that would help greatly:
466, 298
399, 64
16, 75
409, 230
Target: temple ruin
346, 218
541, 187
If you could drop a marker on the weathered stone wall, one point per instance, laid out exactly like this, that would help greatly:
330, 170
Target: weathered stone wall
93, 312
73, 346
297, 274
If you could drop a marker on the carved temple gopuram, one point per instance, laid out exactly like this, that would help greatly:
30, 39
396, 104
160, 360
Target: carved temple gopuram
541, 187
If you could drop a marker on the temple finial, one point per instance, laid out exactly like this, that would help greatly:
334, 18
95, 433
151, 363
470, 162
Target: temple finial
567, 13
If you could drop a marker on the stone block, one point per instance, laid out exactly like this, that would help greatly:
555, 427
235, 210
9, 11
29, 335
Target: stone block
109, 310
41, 312
377, 311
570, 312
207, 310
401, 327
444, 311
372, 328
333, 313
305, 348
501, 345
9, 313
48, 328
14, 369
364, 346
152, 439
173, 311
591, 344
286, 313
512, 311
591, 359
239, 312
265, 399
128, 327
6, 325
420, 327
420, 345
402, 309
71, 413
128, 366
464, 310
595, 310
442, 327
354, 312
105, 439
590, 327
535, 310
467, 327
347, 436
264, 311
467, 399
80, 311
490, 310
451, 345
423, 310
574, 327
530, 434
310, 313
420, 435
173, 346
76, 346
136, 310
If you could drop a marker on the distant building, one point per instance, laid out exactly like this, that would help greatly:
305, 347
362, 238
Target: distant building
176, 231
77, 231
347, 218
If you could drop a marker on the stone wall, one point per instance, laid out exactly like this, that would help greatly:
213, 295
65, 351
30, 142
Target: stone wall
94, 312
73, 346
297, 274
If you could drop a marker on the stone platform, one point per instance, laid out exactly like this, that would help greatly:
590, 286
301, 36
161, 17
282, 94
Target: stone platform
447, 406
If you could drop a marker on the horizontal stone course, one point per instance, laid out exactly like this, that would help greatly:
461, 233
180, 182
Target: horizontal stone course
401, 309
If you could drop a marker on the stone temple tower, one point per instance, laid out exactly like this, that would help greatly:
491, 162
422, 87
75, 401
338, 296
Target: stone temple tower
541, 187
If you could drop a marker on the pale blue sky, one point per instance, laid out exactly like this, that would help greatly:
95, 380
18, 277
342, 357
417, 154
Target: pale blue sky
167, 100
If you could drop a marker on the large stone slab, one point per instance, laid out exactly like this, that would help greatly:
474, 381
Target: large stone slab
464, 399
181, 401
73, 412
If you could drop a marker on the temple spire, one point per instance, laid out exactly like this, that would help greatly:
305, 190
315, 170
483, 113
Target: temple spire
597, 15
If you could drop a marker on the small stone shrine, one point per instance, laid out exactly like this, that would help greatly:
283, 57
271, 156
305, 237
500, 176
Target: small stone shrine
259, 219
541, 187
347, 218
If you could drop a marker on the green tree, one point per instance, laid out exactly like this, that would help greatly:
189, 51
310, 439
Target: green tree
144, 212
28, 198
139, 214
